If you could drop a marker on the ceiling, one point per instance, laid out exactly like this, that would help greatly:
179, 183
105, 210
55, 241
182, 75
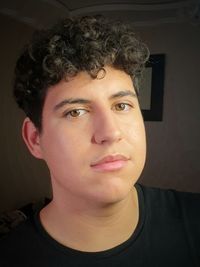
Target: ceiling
41, 13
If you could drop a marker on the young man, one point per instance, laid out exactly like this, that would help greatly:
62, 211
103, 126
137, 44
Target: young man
77, 85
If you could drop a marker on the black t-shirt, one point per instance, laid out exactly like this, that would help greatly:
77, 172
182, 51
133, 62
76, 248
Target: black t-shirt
167, 234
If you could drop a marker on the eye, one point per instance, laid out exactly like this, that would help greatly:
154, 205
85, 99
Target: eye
75, 113
122, 107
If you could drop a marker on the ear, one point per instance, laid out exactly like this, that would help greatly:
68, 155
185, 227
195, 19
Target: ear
31, 138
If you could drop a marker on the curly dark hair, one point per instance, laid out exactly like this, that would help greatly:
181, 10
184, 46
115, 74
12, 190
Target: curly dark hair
74, 44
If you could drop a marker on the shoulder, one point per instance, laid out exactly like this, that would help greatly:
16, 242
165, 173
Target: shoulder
174, 206
18, 243
20, 232
171, 203
171, 196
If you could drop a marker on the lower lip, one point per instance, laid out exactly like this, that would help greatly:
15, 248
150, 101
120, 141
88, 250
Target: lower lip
110, 166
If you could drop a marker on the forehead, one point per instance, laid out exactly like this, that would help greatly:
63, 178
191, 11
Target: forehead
84, 86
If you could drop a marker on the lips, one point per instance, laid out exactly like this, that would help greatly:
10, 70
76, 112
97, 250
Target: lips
110, 163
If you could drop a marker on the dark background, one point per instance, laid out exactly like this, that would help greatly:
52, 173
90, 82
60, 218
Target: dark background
172, 29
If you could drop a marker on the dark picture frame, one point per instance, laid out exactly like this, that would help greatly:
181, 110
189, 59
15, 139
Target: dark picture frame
151, 88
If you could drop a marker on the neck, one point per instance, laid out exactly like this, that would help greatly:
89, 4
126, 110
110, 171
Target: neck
94, 229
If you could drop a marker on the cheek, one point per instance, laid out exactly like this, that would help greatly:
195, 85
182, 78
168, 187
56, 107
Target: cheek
63, 148
135, 132
136, 137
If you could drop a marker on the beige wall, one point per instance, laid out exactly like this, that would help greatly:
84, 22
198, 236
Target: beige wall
173, 145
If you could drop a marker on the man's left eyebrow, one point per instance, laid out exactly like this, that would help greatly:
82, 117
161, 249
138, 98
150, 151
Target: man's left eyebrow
71, 101
123, 93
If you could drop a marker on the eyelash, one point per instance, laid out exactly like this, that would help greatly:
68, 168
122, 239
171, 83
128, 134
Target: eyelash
129, 106
69, 113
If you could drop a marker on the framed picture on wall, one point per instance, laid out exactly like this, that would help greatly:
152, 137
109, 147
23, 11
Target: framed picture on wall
151, 88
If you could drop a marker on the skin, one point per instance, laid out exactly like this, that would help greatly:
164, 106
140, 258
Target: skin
102, 201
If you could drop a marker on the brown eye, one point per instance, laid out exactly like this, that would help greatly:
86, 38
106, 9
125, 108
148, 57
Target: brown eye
75, 113
122, 107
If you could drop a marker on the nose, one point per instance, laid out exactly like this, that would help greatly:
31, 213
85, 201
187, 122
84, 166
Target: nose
106, 129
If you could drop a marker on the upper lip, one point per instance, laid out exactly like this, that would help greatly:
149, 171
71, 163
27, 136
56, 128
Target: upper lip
109, 158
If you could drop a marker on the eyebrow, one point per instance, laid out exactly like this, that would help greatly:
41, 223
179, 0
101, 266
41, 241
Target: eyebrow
123, 93
86, 101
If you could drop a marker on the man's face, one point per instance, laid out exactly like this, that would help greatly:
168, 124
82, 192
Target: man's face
93, 137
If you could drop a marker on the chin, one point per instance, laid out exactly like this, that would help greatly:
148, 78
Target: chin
113, 192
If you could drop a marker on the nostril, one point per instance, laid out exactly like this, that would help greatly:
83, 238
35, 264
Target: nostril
106, 127
102, 137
